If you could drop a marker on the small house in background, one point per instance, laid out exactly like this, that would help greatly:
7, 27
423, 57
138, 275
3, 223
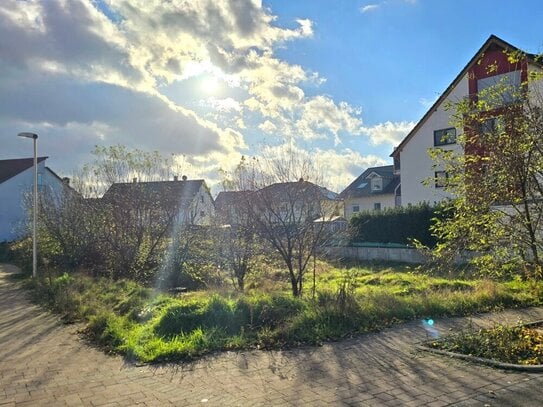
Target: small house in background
297, 201
189, 201
375, 189
230, 206
16, 186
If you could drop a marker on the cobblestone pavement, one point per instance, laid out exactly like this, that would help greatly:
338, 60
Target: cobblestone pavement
43, 362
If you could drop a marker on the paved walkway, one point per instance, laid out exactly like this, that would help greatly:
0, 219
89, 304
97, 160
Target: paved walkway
43, 362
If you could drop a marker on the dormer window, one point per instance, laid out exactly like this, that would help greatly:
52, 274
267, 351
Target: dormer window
376, 184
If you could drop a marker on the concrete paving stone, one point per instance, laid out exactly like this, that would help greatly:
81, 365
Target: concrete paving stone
385, 396
437, 403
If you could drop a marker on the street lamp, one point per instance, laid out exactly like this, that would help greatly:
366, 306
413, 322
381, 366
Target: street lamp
34, 136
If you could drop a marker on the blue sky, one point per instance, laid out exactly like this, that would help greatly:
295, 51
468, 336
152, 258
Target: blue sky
211, 80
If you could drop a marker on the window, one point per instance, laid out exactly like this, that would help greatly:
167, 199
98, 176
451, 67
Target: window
377, 206
445, 136
507, 85
489, 125
40, 178
202, 198
440, 179
376, 184
356, 208
202, 214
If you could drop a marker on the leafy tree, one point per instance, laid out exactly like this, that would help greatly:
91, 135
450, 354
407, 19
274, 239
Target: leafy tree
496, 214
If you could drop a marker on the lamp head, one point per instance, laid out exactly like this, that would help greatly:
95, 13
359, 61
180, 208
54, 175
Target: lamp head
28, 135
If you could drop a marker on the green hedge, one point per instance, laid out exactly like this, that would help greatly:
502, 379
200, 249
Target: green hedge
394, 225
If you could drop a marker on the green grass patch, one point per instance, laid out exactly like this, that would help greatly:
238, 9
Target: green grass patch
518, 345
143, 324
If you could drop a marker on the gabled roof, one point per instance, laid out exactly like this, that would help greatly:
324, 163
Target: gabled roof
182, 191
286, 188
13, 167
231, 198
361, 186
492, 41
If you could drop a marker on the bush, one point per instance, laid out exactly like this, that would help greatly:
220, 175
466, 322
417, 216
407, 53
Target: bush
394, 225
19, 253
519, 344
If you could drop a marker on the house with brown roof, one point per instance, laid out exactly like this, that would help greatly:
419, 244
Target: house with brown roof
375, 189
420, 178
189, 201
299, 201
16, 186
231, 206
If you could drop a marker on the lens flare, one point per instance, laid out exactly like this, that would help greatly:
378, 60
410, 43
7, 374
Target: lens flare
428, 325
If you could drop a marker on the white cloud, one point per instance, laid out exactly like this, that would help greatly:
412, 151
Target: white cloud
340, 167
222, 105
375, 6
80, 78
388, 132
268, 127
332, 168
369, 7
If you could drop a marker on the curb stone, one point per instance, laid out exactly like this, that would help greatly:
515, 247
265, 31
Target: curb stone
485, 361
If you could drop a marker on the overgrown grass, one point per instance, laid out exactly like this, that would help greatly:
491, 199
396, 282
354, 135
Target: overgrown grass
79, 297
143, 324
519, 344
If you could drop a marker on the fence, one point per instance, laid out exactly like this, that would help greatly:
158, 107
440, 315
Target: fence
376, 253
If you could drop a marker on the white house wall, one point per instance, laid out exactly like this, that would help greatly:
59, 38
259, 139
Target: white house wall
416, 164
535, 87
367, 202
14, 193
203, 202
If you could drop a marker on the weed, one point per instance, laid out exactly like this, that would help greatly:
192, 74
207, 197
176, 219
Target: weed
128, 318
518, 344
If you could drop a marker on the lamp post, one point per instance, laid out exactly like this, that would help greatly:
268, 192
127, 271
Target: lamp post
34, 136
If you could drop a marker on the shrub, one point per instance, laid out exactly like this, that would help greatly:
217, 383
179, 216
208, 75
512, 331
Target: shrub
519, 344
394, 225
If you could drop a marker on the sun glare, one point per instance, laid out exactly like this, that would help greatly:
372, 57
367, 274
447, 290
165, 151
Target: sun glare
210, 84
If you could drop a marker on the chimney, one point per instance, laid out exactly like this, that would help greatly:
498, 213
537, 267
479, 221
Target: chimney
66, 181
134, 180
175, 178
184, 177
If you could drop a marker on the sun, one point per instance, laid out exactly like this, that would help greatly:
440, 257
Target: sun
210, 84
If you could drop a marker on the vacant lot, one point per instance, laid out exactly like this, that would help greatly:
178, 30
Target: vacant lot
151, 326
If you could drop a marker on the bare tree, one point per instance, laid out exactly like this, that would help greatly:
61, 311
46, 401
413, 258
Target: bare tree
292, 216
125, 232
235, 234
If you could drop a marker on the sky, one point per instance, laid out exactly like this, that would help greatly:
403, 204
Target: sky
213, 80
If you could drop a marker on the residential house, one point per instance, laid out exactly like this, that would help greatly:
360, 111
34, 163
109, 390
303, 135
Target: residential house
288, 202
421, 179
16, 187
375, 189
230, 206
189, 201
